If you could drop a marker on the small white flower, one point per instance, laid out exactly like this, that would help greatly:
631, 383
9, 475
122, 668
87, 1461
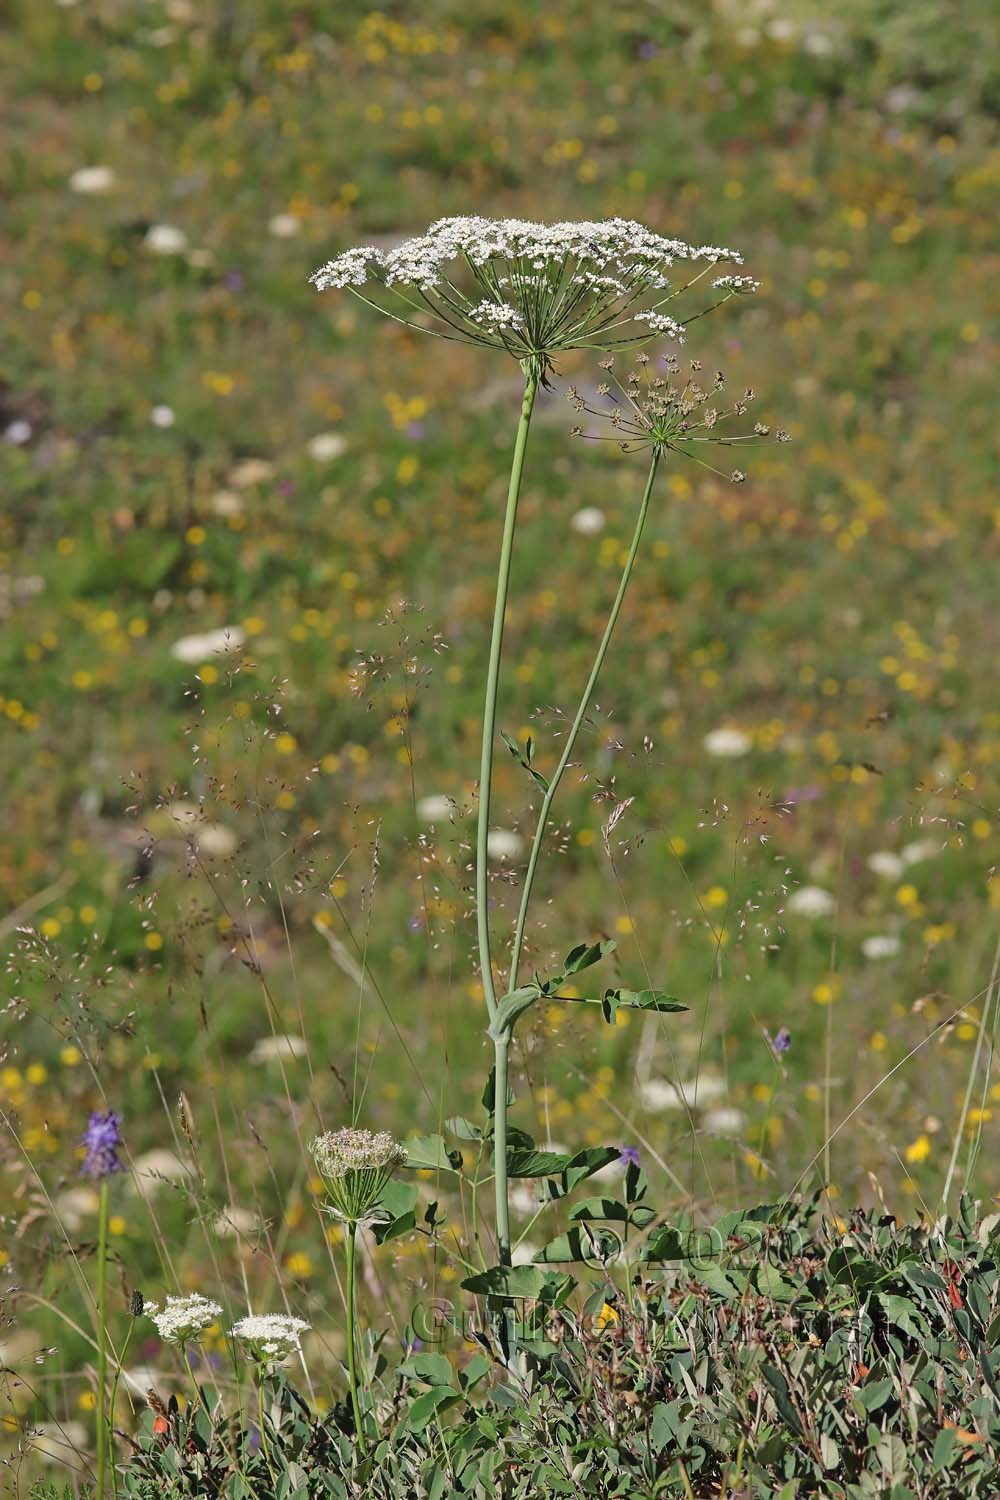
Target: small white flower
18, 433
184, 1318
236, 1223
162, 416
250, 471
436, 808
743, 284
658, 1094
199, 648
727, 743
811, 901
725, 1120
326, 446
226, 503
921, 849
588, 521
661, 323
166, 239
275, 1048
59, 1442
75, 1206
92, 180
882, 945
886, 864
157, 1169
498, 315
272, 1337
284, 226
503, 844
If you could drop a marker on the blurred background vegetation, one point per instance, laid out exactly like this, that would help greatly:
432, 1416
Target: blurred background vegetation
207, 850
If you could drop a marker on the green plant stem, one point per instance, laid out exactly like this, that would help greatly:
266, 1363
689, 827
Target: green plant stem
352, 1368
581, 713
531, 380
112, 1404
261, 1421
102, 1340
492, 680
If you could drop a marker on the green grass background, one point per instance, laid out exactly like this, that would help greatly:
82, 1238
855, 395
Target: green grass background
839, 609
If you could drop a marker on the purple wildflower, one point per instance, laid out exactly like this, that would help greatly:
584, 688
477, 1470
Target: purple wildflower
102, 1138
782, 1041
629, 1156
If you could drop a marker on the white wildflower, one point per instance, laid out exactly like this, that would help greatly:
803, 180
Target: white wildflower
356, 1166
436, 808
166, 239
921, 849
75, 1206
743, 284
92, 180
236, 1223
326, 446
227, 503
184, 1318
18, 433
272, 1337
882, 945
588, 521
340, 1151
727, 743
277, 1048
811, 901
885, 864
725, 1120
528, 288
495, 315
198, 648
59, 1442
250, 471
662, 323
284, 226
157, 1169
503, 843
162, 416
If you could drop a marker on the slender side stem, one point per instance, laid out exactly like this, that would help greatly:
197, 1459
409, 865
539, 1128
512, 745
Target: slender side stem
492, 678
571, 738
352, 1367
113, 1402
501, 1056
102, 1340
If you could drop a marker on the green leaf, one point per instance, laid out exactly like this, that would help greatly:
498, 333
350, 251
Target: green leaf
422, 1410
516, 1282
433, 1368
429, 1153
510, 1007
586, 954
580, 1244
536, 1163
463, 1128
478, 1367
782, 1400
524, 758
585, 1163
399, 1197
402, 1224
601, 1208
667, 1244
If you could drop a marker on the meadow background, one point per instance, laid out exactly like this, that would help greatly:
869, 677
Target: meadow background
208, 851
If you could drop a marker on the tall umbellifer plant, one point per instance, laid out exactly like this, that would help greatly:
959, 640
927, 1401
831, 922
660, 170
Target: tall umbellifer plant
534, 292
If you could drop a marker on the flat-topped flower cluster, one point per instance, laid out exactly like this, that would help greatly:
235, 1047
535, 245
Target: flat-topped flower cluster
271, 1337
356, 1165
536, 288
